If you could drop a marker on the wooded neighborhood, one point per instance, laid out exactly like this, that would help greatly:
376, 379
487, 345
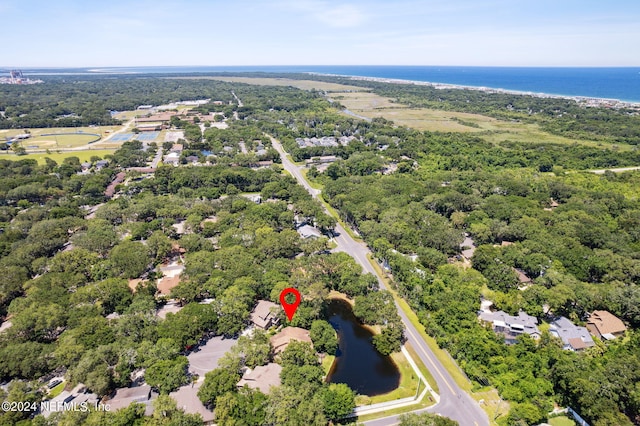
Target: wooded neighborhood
113, 277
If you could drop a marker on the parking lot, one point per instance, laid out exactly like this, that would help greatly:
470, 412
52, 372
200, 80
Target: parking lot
206, 357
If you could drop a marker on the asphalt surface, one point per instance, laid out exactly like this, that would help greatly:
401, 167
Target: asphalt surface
206, 357
454, 403
157, 158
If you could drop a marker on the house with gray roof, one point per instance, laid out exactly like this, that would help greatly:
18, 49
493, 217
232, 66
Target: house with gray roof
264, 314
574, 338
511, 326
140, 394
76, 397
308, 231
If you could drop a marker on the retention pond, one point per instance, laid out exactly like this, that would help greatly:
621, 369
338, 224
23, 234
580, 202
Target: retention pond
358, 363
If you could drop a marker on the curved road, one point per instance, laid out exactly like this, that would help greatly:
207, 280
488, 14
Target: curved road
454, 403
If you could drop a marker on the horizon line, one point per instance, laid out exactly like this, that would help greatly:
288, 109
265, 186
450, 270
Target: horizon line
91, 67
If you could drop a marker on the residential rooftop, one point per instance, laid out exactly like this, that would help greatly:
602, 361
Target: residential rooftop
280, 341
264, 314
262, 377
511, 326
573, 337
605, 325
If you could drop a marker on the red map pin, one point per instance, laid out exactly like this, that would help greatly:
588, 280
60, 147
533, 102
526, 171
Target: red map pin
290, 308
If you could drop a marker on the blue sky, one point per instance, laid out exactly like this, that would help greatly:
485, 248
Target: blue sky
70, 33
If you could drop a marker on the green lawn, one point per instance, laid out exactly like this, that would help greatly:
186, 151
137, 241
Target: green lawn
407, 388
314, 184
425, 372
408, 384
327, 362
59, 141
369, 104
40, 131
57, 390
561, 421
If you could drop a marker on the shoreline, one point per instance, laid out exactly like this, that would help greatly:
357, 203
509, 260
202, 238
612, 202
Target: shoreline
584, 100
588, 101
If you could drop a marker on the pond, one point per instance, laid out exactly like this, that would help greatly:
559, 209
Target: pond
358, 363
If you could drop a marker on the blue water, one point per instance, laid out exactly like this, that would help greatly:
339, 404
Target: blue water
609, 83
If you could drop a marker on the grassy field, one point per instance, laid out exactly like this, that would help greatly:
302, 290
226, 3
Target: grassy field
58, 141
39, 132
313, 184
425, 372
327, 362
371, 105
128, 115
57, 390
362, 101
63, 137
83, 155
561, 421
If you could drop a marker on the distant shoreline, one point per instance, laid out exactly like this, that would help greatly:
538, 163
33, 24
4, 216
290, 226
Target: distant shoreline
625, 85
585, 100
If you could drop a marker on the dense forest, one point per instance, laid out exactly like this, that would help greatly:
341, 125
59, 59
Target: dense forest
66, 273
58, 300
411, 195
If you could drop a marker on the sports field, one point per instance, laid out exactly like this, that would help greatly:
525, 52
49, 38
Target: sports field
121, 137
58, 137
60, 140
147, 137
142, 137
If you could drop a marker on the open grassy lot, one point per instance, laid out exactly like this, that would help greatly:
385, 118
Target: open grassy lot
128, 115
63, 137
108, 145
327, 362
39, 132
362, 101
83, 155
561, 421
57, 390
371, 105
55, 141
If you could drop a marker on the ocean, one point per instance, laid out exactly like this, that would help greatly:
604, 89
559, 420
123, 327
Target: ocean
608, 83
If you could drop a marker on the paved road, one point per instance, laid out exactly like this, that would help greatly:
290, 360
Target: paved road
157, 157
454, 402
240, 104
618, 170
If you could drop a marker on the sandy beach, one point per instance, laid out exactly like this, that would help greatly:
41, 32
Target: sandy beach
587, 101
